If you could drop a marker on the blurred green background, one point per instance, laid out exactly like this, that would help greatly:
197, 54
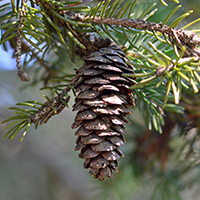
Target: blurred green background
45, 166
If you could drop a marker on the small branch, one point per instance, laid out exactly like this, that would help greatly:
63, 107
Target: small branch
182, 37
22, 74
56, 102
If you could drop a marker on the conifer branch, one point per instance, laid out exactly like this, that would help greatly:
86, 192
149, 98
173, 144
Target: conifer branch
185, 38
54, 105
165, 63
39, 113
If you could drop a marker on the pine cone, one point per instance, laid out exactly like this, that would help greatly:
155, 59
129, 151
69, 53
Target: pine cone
102, 104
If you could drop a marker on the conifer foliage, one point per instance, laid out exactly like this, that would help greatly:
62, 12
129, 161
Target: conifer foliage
156, 72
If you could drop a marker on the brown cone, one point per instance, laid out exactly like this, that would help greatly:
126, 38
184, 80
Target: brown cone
102, 104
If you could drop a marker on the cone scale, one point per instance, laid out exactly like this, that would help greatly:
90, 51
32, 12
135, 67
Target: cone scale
102, 104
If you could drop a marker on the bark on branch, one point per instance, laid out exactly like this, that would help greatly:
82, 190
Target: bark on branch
182, 37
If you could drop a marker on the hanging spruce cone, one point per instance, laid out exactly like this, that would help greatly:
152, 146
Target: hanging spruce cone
102, 104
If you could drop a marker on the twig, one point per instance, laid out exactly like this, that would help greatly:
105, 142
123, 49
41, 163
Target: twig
22, 74
47, 110
182, 37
